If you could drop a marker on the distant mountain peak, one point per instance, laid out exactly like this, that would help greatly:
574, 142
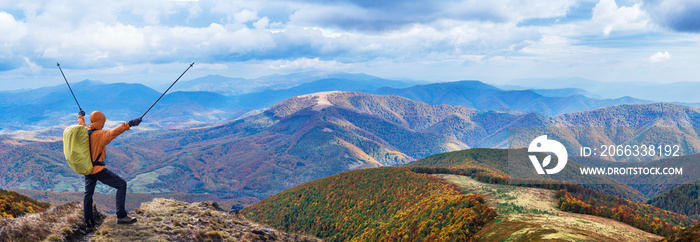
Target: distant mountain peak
470, 84
316, 101
88, 82
321, 99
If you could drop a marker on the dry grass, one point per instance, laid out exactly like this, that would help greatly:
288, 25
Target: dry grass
59, 223
171, 220
537, 217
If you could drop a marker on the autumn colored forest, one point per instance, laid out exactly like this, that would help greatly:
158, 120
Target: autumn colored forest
384, 204
682, 199
578, 199
13, 204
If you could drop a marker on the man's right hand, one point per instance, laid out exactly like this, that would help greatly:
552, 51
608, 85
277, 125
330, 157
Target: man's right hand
135, 122
81, 113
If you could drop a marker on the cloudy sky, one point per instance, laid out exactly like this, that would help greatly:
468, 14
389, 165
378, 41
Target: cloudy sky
152, 41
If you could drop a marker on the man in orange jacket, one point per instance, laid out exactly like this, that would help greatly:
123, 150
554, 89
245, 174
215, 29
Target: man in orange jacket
98, 140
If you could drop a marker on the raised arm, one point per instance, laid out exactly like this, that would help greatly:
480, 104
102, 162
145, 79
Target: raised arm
113, 133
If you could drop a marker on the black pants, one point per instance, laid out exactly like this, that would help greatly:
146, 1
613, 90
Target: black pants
110, 179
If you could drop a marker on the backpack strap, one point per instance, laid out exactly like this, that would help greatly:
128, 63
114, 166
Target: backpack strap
96, 162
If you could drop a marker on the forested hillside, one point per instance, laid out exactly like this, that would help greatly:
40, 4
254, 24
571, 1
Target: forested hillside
13, 204
496, 161
639, 215
683, 199
376, 205
686, 234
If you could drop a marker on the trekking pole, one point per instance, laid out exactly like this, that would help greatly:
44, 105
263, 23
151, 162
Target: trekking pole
71, 90
166, 91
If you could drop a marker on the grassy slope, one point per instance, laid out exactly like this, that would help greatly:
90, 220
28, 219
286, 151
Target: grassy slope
389, 203
527, 213
105, 202
496, 161
59, 223
159, 220
168, 219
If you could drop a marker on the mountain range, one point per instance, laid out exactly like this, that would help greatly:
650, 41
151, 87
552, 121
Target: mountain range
314, 132
478, 95
42, 113
291, 143
306, 138
672, 92
54, 106
237, 86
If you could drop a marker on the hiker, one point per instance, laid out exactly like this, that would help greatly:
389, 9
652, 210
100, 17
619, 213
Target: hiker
98, 140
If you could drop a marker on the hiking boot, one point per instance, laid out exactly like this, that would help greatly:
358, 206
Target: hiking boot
89, 226
126, 220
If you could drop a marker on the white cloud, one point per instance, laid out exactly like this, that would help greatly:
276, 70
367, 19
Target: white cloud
262, 23
660, 57
610, 17
98, 35
343, 34
11, 29
245, 16
508, 10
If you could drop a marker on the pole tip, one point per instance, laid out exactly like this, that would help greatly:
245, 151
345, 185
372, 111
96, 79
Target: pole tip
57, 64
192, 64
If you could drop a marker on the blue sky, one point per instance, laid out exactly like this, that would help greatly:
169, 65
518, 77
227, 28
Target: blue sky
498, 42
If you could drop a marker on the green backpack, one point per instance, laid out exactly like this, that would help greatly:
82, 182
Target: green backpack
76, 147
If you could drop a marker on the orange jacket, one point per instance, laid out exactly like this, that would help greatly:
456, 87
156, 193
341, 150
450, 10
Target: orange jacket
100, 138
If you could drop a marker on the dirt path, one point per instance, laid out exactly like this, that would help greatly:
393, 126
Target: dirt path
527, 214
81, 235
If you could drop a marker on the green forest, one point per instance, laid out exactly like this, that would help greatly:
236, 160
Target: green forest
682, 199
